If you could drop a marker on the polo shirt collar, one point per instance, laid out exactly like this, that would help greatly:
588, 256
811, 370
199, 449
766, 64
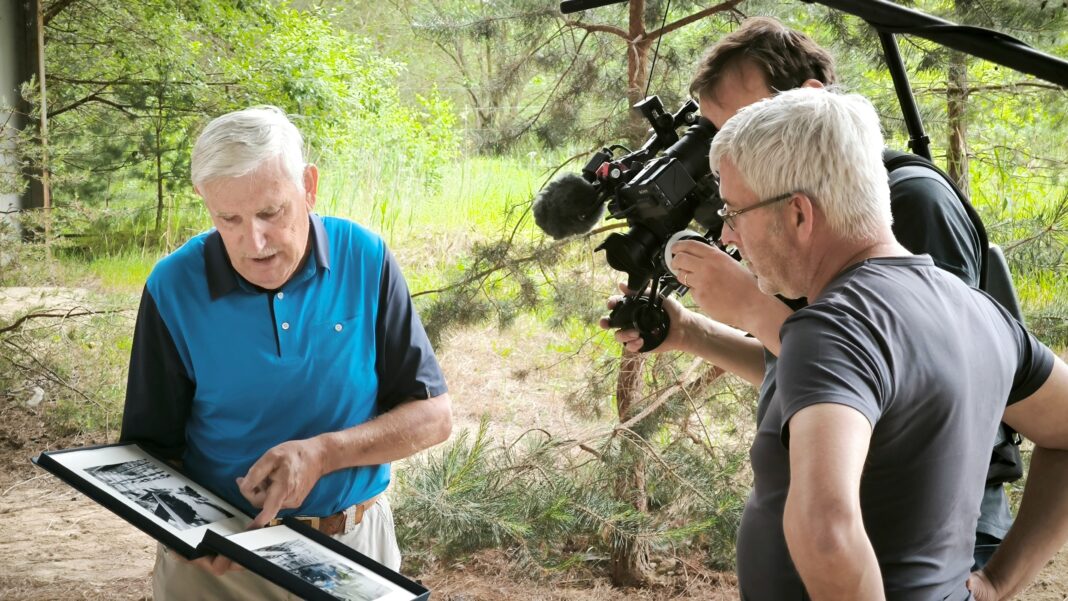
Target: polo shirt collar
224, 279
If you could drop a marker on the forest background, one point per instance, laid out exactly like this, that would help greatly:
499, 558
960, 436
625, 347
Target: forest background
435, 122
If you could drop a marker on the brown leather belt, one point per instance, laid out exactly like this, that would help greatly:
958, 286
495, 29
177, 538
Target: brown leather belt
341, 522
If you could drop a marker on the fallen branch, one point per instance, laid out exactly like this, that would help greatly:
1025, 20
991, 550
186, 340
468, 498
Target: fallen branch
69, 313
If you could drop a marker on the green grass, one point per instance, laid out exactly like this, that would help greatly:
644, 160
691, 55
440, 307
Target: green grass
479, 196
126, 272
1044, 299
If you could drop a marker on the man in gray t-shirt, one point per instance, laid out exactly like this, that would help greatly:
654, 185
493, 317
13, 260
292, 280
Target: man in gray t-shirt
870, 458
893, 339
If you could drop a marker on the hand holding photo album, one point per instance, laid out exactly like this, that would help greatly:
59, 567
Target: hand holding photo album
167, 505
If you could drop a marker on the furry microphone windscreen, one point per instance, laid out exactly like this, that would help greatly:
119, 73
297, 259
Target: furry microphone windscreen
567, 206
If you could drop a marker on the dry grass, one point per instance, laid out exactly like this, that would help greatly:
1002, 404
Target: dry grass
512, 378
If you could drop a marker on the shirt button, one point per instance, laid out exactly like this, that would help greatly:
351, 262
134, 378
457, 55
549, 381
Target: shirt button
337, 327
285, 325
281, 295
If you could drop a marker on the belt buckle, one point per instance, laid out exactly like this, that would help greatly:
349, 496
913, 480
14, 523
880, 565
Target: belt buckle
310, 520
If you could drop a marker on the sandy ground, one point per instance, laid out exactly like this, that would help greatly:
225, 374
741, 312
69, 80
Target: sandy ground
19, 299
57, 545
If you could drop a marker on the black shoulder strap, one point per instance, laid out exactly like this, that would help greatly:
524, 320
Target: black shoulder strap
895, 159
1006, 464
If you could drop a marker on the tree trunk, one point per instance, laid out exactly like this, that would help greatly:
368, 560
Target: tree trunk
629, 562
637, 70
43, 176
159, 161
956, 104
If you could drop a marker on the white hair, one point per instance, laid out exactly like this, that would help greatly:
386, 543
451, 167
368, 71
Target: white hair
826, 144
238, 143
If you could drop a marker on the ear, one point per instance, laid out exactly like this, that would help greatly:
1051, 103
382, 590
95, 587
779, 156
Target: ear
801, 217
311, 184
812, 83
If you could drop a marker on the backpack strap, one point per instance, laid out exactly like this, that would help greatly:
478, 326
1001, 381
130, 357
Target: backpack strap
1006, 464
895, 159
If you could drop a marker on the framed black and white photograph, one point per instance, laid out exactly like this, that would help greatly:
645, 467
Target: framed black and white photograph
169, 506
160, 492
315, 566
147, 492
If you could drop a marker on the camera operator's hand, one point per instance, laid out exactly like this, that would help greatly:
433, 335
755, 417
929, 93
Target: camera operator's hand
982, 588
631, 339
727, 292
691, 332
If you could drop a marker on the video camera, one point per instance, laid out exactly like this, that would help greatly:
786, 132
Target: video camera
659, 195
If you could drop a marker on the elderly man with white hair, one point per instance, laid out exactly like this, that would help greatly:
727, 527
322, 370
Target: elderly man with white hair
279, 357
891, 382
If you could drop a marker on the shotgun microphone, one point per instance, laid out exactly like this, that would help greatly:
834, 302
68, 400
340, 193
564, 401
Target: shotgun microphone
568, 206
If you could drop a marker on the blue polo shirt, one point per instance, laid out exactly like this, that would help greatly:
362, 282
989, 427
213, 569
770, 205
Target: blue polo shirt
221, 370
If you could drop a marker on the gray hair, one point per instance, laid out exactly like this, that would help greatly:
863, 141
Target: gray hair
237, 143
826, 144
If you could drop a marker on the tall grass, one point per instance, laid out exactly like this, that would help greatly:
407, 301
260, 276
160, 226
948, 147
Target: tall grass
476, 195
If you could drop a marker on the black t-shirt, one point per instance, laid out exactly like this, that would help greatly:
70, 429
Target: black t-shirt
930, 362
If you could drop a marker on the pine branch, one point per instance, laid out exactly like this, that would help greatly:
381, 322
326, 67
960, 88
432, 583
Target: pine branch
550, 95
1054, 225
729, 5
666, 394
616, 31
55, 9
480, 276
94, 97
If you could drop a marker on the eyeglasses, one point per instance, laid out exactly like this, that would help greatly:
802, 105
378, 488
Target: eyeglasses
728, 217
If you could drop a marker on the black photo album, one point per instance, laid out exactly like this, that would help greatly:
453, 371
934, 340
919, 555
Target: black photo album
169, 506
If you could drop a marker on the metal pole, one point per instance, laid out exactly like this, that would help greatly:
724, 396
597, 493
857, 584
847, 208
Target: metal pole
918, 140
984, 43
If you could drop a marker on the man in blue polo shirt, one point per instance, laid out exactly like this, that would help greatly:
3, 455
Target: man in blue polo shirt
279, 357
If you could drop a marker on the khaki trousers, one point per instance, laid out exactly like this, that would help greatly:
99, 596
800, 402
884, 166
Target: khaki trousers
174, 579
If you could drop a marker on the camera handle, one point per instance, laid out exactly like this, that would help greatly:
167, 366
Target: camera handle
645, 311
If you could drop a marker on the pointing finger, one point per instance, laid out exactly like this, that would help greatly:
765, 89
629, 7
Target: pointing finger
271, 505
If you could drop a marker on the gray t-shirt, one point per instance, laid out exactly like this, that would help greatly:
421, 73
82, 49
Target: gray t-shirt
930, 363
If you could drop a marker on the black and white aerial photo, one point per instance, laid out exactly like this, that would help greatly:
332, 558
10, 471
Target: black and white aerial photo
312, 565
159, 492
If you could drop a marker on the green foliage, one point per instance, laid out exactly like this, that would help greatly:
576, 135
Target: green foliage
345, 94
556, 505
520, 73
495, 280
124, 110
83, 231
457, 500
